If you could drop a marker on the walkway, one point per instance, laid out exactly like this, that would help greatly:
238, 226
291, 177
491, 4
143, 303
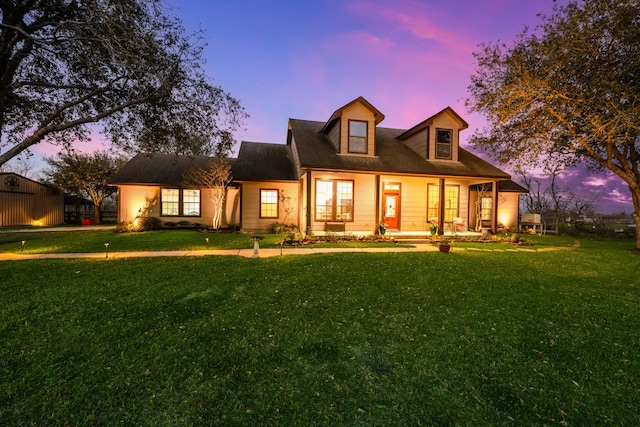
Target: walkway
266, 253
407, 246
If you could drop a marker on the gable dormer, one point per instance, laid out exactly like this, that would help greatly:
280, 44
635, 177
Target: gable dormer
438, 137
352, 128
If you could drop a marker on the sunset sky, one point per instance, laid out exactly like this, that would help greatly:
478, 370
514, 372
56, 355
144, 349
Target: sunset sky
409, 58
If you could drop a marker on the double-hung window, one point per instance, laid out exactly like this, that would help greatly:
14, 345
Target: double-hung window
268, 203
444, 141
334, 200
486, 207
358, 137
179, 202
451, 196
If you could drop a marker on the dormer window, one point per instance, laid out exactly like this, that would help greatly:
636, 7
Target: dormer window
444, 138
358, 137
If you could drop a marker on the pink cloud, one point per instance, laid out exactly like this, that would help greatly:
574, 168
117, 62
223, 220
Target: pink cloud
416, 18
595, 181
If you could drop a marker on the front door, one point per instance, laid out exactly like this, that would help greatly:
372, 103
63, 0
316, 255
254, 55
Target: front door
391, 206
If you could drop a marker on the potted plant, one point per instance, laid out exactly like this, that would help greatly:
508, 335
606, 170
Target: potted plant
433, 228
444, 246
382, 228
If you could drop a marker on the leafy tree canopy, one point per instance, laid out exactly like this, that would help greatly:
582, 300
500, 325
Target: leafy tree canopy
566, 92
85, 175
124, 66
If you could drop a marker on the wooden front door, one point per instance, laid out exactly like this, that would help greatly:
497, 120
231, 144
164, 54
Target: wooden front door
391, 206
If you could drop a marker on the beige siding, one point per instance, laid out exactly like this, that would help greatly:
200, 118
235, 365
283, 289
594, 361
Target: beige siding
135, 201
444, 121
334, 135
364, 191
250, 202
413, 208
508, 210
357, 112
29, 202
418, 142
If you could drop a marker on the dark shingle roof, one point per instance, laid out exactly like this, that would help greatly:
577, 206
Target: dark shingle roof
159, 169
392, 156
506, 186
264, 162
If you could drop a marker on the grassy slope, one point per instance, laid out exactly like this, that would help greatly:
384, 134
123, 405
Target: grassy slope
469, 338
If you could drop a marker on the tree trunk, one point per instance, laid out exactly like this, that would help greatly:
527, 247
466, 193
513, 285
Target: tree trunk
97, 215
635, 196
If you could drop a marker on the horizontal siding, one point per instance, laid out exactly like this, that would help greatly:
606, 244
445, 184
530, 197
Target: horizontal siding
418, 143
250, 202
444, 121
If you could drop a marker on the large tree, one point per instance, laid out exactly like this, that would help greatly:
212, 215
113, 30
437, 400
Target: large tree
86, 175
567, 92
123, 66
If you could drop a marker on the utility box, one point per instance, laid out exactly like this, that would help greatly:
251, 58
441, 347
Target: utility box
530, 218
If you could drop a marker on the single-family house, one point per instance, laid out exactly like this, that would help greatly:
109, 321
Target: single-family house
347, 173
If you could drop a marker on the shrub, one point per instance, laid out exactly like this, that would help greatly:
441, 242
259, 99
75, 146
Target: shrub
279, 228
148, 223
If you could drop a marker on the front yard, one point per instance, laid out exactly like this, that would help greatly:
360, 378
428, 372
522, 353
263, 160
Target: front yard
468, 338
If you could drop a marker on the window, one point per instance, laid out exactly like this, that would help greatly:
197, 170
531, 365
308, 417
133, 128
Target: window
268, 203
170, 201
191, 202
179, 202
357, 137
451, 193
486, 206
443, 143
334, 200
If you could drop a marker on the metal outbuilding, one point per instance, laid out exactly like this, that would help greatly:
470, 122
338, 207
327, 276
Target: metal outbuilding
27, 202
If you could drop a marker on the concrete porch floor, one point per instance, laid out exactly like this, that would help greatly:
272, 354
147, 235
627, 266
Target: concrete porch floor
402, 235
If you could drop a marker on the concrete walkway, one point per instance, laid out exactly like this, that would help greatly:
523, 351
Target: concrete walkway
407, 246
266, 253
247, 253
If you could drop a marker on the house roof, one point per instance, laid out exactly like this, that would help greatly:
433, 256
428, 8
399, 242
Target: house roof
264, 162
159, 169
256, 161
392, 156
506, 186
378, 116
428, 122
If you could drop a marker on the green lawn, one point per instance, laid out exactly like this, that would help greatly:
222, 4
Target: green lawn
165, 240
466, 338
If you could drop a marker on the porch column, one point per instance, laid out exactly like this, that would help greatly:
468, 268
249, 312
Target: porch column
309, 199
494, 199
377, 203
441, 210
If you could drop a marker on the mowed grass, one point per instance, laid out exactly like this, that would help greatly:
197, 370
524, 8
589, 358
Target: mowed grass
85, 241
466, 338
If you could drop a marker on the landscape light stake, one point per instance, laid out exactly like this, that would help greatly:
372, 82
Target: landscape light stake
106, 245
206, 239
23, 242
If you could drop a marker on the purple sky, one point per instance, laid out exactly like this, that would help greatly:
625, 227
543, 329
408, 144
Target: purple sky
409, 58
